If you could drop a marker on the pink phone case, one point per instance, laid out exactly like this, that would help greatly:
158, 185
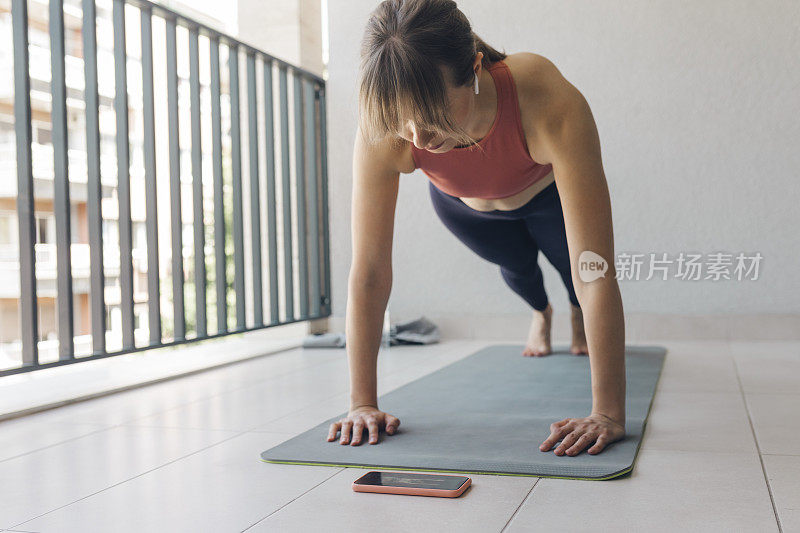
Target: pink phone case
413, 491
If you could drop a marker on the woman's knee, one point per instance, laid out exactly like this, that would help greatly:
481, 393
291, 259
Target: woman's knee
525, 268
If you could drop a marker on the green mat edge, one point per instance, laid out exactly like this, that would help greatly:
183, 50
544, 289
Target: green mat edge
482, 473
486, 473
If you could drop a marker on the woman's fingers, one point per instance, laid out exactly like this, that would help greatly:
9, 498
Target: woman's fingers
358, 422
579, 433
585, 439
568, 441
333, 430
557, 430
374, 430
601, 443
358, 430
392, 423
346, 425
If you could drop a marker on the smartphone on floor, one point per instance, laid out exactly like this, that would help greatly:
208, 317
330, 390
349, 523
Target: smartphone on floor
412, 483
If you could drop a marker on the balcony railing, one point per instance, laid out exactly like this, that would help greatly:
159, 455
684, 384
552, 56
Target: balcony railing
302, 199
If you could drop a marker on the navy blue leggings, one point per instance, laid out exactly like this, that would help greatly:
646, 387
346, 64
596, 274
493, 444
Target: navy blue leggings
512, 239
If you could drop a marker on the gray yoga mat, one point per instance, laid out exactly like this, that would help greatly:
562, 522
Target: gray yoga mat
487, 414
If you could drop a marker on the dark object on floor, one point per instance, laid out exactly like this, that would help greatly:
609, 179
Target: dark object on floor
419, 331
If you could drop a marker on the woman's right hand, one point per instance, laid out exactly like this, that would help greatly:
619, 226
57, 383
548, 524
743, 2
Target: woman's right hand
368, 415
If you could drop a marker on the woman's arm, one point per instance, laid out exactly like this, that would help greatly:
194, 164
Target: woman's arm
567, 137
374, 198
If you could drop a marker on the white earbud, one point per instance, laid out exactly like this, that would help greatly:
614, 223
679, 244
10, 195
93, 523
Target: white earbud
476, 83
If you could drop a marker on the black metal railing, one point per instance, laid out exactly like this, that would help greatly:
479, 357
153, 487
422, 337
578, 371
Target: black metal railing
312, 279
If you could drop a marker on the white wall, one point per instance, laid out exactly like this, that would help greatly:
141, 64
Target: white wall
697, 106
288, 29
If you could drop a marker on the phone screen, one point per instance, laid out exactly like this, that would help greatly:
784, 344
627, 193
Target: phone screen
426, 481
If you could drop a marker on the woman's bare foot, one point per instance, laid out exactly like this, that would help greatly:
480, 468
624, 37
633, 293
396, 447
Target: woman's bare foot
538, 343
579, 346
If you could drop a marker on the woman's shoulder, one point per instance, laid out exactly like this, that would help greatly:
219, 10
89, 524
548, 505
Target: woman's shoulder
538, 81
531, 70
542, 92
389, 154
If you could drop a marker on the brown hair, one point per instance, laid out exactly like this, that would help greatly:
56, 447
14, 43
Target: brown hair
404, 45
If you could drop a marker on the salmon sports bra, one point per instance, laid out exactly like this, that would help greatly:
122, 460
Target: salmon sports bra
503, 168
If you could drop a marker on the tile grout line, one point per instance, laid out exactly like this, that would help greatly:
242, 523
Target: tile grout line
327, 399
249, 385
59, 443
293, 499
758, 448
240, 387
514, 514
127, 422
135, 386
132, 478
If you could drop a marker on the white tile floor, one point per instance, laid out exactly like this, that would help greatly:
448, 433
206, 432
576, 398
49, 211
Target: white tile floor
721, 452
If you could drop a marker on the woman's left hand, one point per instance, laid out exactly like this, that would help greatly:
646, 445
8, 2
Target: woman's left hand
578, 433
